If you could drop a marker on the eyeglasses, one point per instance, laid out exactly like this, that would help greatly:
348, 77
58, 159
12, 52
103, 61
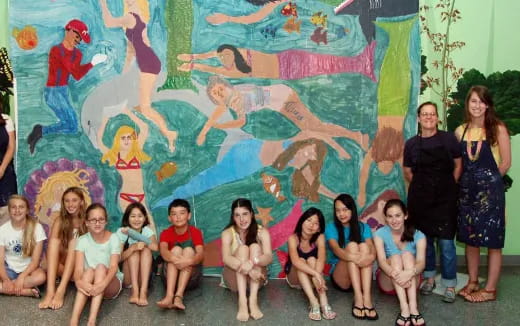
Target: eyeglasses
428, 114
97, 221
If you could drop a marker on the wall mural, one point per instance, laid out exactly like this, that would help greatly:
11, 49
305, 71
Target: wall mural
288, 103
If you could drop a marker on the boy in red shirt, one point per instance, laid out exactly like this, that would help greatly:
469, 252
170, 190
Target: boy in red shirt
182, 249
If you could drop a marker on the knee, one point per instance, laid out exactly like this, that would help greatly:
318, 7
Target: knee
363, 248
255, 249
352, 247
101, 269
243, 252
311, 261
188, 252
176, 251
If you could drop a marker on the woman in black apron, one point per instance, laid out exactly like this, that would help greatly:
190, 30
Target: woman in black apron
7, 174
486, 151
432, 165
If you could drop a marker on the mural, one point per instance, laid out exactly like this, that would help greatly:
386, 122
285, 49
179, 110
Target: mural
288, 103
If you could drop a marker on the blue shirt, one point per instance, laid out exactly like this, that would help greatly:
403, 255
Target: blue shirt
332, 233
391, 249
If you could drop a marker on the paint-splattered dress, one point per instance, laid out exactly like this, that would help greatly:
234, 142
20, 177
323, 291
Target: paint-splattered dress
481, 219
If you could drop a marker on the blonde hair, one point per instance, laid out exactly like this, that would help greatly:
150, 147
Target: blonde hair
69, 178
144, 10
135, 151
65, 219
28, 240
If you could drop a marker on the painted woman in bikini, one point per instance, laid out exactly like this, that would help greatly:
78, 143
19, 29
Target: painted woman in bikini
285, 65
246, 98
133, 21
126, 155
68, 226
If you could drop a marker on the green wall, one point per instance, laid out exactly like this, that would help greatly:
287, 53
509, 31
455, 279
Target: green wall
489, 29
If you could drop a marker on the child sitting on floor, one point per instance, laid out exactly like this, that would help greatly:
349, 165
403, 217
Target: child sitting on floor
182, 249
21, 245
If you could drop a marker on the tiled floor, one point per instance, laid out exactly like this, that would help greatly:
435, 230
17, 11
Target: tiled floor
212, 305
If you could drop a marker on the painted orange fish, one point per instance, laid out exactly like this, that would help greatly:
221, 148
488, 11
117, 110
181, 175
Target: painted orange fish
272, 186
27, 37
167, 170
292, 25
290, 9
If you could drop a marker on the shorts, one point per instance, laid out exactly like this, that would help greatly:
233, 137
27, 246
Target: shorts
11, 273
391, 292
118, 292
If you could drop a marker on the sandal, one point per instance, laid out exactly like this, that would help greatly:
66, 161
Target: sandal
367, 311
314, 313
361, 310
482, 295
402, 318
471, 287
327, 313
417, 317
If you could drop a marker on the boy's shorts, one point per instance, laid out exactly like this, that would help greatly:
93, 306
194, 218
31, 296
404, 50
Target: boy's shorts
195, 277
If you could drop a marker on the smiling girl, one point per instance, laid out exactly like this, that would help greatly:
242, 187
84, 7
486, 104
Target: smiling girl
351, 243
246, 252
21, 245
307, 254
96, 270
138, 241
69, 225
401, 251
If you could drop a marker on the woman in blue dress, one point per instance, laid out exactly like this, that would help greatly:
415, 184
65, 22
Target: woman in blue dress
486, 152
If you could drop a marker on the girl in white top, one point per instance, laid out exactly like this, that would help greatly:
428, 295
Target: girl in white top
21, 245
69, 225
246, 251
138, 241
96, 270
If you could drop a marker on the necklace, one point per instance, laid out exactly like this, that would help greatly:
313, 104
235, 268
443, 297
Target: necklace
473, 157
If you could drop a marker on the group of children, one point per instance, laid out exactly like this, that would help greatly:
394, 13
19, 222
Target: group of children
80, 248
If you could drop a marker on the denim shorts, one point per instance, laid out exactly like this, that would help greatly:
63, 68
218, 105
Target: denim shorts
11, 273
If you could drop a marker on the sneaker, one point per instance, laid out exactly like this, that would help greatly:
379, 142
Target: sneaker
427, 287
449, 295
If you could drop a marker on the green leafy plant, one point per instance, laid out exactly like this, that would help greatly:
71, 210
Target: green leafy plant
6, 81
443, 73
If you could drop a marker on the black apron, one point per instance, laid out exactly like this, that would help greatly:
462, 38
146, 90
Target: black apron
433, 193
8, 181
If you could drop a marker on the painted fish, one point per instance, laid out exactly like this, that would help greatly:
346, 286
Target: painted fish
319, 36
290, 9
292, 25
26, 38
167, 170
272, 186
269, 31
319, 19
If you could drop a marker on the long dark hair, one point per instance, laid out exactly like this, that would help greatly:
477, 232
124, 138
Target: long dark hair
409, 228
491, 122
260, 2
252, 231
307, 214
355, 232
240, 62
125, 222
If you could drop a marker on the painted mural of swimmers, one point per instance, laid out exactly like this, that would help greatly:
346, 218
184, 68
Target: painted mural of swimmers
247, 98
249, 156
133, 21
385, 151
267, 7
64, 61
286, 65
126, 155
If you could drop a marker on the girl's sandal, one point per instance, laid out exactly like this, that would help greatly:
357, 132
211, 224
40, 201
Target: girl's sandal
327, 313
406, 320
368, 313
415, 318
482, 295
471, 287
314, 313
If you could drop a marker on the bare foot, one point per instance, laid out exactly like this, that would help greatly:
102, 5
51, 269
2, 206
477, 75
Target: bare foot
133, 299
165, 303
243, 313
143, 299
91, 323
57, 301
255, 310
46, 302
177, 303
